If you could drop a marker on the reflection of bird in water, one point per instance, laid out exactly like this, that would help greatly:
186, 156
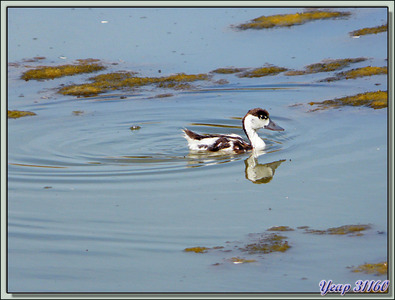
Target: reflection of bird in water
254, 120
260, 173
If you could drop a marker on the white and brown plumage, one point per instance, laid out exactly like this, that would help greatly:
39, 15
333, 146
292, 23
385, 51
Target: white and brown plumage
254, 120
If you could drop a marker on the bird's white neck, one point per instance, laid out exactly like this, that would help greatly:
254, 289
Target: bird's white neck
256, 142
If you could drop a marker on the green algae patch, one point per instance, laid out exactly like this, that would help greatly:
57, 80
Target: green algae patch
369, 30
280, 228
354, 230
288, 20
267, 244
328, 65
52, 72
14, 114
359, 72
128, 80
376, 269
264, 71
197, 249
376, 100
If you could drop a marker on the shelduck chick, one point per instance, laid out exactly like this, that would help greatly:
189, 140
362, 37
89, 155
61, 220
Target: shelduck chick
254, 120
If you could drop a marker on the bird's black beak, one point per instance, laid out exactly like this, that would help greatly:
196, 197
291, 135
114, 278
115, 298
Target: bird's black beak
273, 126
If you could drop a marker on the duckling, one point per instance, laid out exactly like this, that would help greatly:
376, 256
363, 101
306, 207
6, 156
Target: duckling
254, 120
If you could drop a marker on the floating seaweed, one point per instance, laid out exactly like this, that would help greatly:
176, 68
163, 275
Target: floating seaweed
14, 114
376, 100
78, 112
354, 230
121, 80
228, 70
135, 127
288, 20
376, 269
52, 72
197, 249
239, 260
280, 228
263, 71
357, 73
267, 244
328, 65
369, 30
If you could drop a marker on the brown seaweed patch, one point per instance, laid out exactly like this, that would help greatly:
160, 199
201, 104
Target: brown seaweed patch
14, 114
264, 71
52, 72
376, 269
369, 30
197, 249
287, 20
328, 65
280, 228
121, 80
354, 230
359, 72
376, 100
267, 244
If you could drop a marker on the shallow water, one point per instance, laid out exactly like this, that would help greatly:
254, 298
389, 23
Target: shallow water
94, 206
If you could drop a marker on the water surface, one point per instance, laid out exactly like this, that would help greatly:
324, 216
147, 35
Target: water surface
94, 206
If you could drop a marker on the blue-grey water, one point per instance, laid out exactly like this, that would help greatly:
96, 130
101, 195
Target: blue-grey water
96, 207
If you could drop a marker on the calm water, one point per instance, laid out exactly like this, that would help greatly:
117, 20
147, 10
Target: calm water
96, 207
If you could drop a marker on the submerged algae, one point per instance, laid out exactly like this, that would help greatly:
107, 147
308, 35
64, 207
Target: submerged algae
14, 114
369, 30
288, 20
376, 100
